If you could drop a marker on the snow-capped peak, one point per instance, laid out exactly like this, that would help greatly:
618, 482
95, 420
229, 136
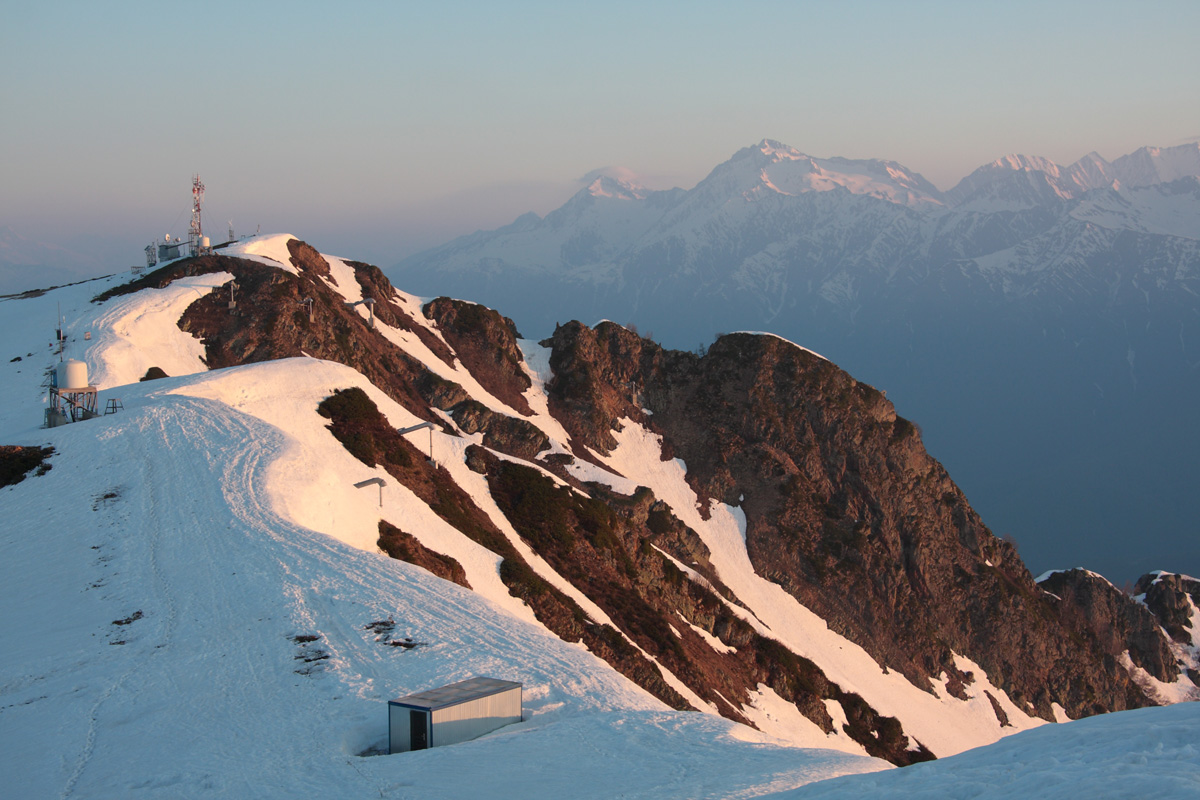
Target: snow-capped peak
777, 151
1151, 165
1089, 172
605, 186
1023, 163
771, 167
1018, 180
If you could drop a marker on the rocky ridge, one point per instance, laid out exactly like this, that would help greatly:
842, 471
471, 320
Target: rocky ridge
843, 507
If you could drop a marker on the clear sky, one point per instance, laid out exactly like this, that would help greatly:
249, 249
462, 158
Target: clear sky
377, 129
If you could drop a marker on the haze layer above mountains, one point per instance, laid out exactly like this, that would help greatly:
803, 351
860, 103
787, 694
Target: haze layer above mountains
1040, 321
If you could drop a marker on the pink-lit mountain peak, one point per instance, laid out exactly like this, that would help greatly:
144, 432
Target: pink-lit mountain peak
773, 167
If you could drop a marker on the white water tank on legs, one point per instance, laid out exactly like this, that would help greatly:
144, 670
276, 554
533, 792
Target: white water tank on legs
71, 374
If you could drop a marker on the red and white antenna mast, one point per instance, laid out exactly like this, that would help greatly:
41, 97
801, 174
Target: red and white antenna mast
196, 231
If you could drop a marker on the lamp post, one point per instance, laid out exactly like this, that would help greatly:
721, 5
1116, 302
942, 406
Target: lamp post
428, 425
370, 304
380, 482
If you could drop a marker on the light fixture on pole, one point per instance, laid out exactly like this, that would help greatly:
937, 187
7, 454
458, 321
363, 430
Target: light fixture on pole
428, 425
380, 482
370, 304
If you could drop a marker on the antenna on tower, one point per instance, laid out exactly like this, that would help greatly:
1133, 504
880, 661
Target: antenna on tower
196, 231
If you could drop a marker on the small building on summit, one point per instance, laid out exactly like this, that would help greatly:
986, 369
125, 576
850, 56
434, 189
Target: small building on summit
455, 713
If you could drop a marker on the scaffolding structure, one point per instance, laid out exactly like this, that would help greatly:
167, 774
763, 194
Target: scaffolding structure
71, 405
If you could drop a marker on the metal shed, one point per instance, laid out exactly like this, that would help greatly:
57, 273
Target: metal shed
452, 714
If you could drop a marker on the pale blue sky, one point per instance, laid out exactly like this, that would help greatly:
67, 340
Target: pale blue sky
375, 129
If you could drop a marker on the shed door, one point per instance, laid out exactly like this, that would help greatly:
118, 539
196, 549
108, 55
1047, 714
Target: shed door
418, 729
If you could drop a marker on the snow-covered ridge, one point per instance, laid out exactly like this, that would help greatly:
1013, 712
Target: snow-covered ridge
1145, 167
302, 495
216, 520
269, 249
271, 541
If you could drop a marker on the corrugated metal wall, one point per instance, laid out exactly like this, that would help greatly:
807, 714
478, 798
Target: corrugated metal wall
473, 718
408, 728
398, 739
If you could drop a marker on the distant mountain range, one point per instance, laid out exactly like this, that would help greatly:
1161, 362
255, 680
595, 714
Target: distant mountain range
1042, 322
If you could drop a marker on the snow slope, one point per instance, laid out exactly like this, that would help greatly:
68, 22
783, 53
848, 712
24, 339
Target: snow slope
187, 594
1152, 752
155, 582
202, 696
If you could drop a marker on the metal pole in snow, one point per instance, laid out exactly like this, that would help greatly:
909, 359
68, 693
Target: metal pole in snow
428, 425
370, 304
373, 482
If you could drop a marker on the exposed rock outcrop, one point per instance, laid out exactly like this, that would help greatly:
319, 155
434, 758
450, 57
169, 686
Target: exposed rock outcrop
839, 492
502, 432
486, 344
406, 547
1088, 602
17, 462
1174, 600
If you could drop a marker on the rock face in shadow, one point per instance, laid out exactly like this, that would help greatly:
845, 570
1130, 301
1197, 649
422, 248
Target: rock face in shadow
1087, 601
844, 509
1173, 599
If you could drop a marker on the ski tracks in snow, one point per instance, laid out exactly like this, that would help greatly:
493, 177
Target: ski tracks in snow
208, 681
200, 553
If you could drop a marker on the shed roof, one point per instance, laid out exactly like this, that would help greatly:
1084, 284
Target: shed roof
455, 693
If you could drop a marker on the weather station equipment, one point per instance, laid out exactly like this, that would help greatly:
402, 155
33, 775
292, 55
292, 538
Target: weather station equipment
72, 398
168, 249
197, 243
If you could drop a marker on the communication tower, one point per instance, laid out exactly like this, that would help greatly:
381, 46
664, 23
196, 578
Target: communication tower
196, 231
